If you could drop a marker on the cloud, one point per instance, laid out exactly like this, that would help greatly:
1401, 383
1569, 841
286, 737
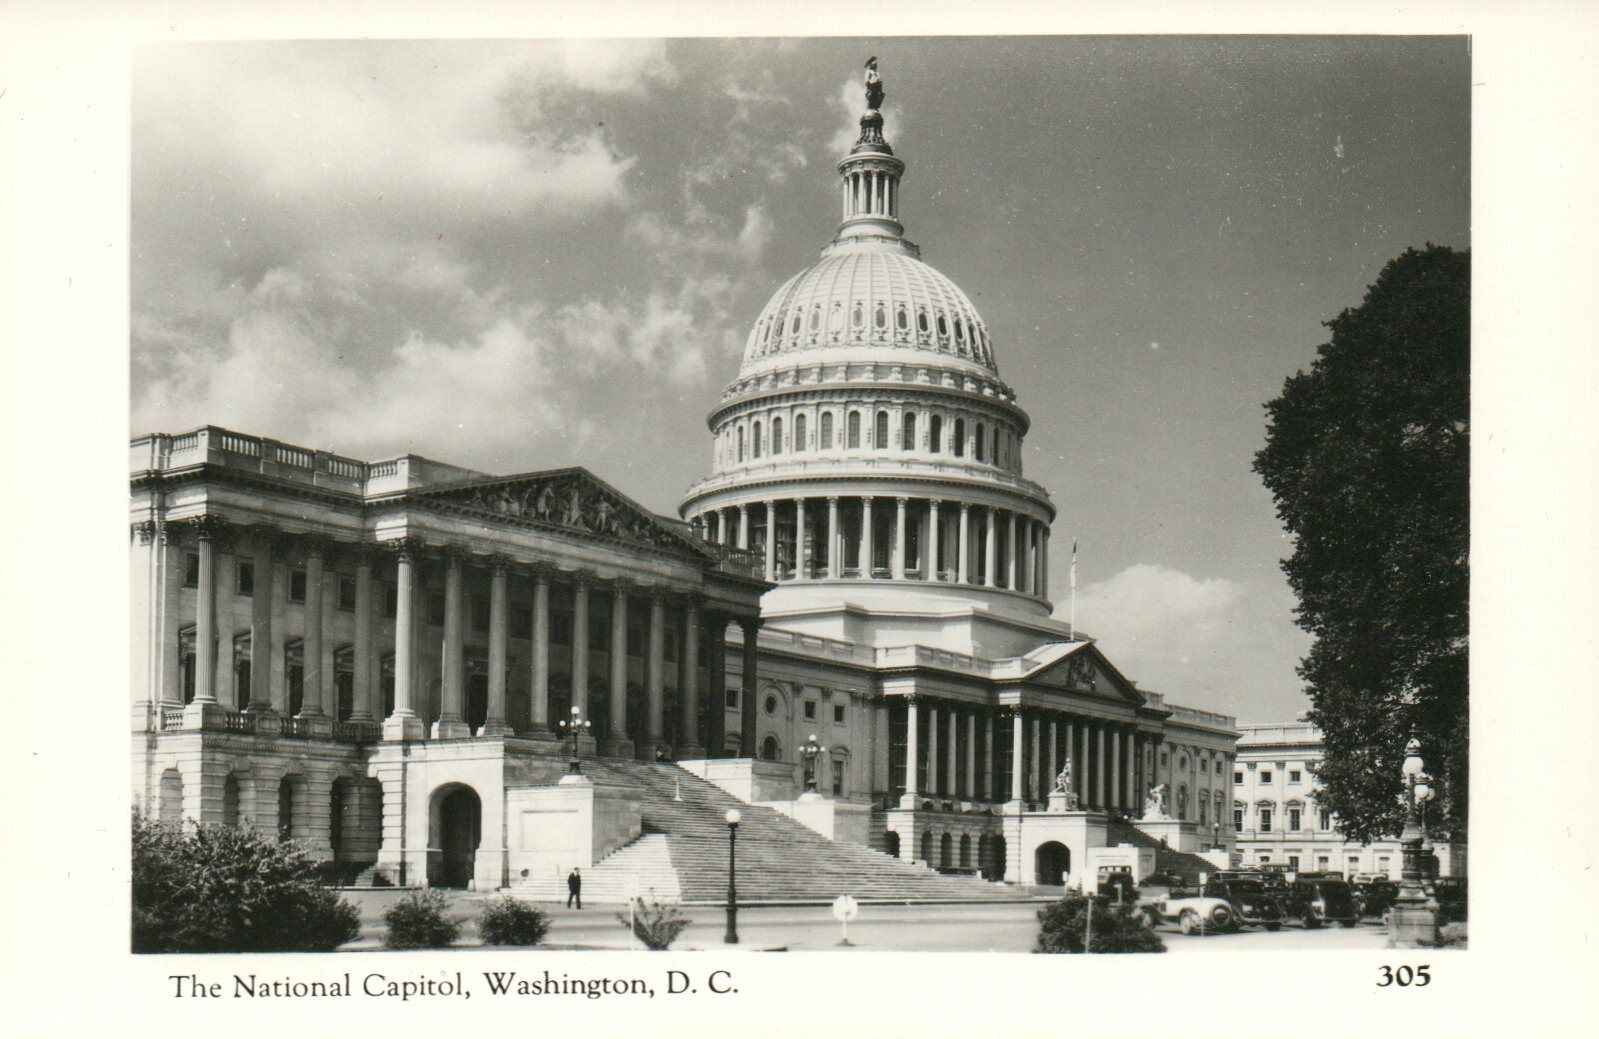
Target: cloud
1205, 642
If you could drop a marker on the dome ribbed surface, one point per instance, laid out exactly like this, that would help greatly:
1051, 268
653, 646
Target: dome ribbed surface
873, 298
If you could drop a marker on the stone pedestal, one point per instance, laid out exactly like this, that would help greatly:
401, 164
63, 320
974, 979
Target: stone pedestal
403, 727
1176, 834
453, 729
842, 821
496, 729
1413, 922
617, 747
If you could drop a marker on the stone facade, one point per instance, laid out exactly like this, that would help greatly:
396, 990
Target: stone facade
1279, 821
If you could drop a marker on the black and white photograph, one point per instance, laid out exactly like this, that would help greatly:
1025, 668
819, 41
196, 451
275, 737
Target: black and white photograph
599, 507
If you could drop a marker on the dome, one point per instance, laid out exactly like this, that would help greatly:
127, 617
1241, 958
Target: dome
868, 295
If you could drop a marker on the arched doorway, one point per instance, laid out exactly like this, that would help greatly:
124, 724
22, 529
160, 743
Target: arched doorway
927, 847
966, 851
1051, 862
285, 808
945, 844
770, 750
996, 851
459, 829
891, 843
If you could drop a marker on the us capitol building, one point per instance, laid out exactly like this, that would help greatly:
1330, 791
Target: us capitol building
847, 633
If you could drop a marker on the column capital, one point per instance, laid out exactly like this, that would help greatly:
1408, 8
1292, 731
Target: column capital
902, 499
832, 499
409, 549
213, 528
317, 544
498, 565
147, 531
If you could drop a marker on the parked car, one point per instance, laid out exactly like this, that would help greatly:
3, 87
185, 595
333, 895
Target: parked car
1252, 900
1118, 887
1450, 894
1191, 911
1374, 896
1322, 900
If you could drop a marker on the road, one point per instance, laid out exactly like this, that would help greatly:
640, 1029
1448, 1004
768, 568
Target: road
964, 928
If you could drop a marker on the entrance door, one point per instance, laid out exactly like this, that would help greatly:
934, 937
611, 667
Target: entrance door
460, 830
1052, 863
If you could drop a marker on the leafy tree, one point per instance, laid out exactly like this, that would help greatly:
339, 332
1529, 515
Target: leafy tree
1116, 927
511, 921
1368, 458
224, 889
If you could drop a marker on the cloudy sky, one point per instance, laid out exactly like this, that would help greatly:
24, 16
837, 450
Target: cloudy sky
514, 256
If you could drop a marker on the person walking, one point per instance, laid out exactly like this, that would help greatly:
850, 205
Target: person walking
574, 888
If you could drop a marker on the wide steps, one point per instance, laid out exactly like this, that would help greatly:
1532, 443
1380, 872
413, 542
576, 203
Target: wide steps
778, 859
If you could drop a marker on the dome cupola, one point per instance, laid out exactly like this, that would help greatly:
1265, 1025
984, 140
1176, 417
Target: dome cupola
868, 440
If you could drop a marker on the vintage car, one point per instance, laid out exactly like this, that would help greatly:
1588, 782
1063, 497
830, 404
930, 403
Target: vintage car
1374, 896
1254, 900
1191, 911
1450, 894
1316, 901
1118, 886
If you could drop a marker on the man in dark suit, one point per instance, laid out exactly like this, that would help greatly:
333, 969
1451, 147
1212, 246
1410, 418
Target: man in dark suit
574, 888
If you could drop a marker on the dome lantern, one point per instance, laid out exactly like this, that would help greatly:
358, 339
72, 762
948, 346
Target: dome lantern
871, 175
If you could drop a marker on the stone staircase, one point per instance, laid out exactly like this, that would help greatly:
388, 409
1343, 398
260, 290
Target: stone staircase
682, 853
1179, 863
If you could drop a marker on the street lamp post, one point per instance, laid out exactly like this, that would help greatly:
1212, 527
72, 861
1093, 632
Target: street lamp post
572, 727
811, 752
731, 937
1414, 919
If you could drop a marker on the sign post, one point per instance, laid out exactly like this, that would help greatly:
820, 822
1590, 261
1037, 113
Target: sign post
844, 909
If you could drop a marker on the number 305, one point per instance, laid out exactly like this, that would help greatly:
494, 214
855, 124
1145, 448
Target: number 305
1405, 976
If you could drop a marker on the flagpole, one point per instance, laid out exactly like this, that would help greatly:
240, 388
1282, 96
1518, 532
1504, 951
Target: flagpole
1072, 610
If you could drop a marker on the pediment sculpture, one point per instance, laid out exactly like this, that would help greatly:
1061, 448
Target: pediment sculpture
1155, 803
573, 502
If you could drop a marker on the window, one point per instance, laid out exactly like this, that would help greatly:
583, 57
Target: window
799, 432
880, 434
777, 436
1238, 777
755, 441
296, 584
1204, 766
825, 441
1265, 775
480, 615
900, 320
770, 750
880, 318
1295, 817
1324, 820
838, 714
908, 432
921, 321
816, 318
1323, 862
810, 710
347, 595
741, 443
771, 704
1293, 775
732, 699
943, 327
980, 440
935, 434
1293, 862
852, 431
1238, 818
1265, 818
838, 777
246, 578
795, 327
958, 448
857, 317
1204, 812
191, 570
1163, 759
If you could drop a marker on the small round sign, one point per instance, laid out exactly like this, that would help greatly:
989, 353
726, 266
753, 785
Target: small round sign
845, 908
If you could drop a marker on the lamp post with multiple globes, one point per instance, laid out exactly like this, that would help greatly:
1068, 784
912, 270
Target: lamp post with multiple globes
811, 752
733, 819
1414, 919
573, 727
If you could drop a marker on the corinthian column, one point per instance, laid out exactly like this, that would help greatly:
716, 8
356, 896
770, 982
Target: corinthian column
451, 723
495, 723
834, 569
899, 538
404, 723
311, 701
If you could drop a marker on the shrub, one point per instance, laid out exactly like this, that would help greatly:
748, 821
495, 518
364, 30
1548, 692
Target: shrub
655, 923
1452, 936
223, 889
419, 921
511, 921
1116, 928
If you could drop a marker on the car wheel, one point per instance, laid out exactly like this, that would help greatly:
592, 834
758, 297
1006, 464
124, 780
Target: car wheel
1349, 923
1311, 923
1188, 921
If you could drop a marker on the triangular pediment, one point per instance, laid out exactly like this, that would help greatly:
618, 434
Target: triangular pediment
573, 500
1079, 667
